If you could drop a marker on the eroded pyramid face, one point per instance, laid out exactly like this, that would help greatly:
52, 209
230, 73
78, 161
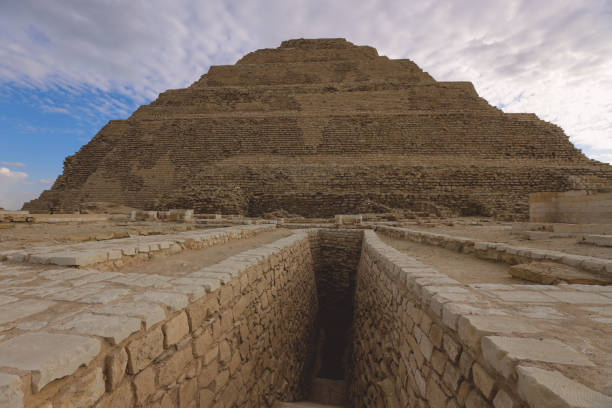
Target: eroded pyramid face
321, 127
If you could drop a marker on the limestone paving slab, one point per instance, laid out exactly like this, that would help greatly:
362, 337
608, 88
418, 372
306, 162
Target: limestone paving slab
114, 328
94, 278
210, 273
66, 274
31, 326
210, 284
524, 296
472, 328
143, 280
15, 311
542, 312
7, 299
150, 313
41, 292
551, 389
194, 292
47, 355
75, 294
503, 353
581, 298
106, 296
175, 301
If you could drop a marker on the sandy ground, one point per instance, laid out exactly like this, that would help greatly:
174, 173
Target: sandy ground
462, 267
500, 232
23, 234
193, 260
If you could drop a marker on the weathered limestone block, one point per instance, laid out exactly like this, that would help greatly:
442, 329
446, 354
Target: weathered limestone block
472, 328
83, 392
144, 384
11, 393
49, 356
172, 368
502, 400
483, 380
150, 313
116, 364
113, 328
503, 353
24, 308
175, 301
122, 397
188, 393
144, 350
175, 329
548, 389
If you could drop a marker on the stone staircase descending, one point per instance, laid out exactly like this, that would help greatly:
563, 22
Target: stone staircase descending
324, 393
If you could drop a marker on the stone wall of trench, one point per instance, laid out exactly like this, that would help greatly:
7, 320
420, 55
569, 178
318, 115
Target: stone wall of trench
335, 304
246, 343
404, 352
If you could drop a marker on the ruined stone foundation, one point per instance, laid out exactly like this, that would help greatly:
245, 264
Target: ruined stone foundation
321, 127
282, 321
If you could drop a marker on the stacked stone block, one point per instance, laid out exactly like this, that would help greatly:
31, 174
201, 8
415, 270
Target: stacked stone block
245, 342
317, 128
423, 339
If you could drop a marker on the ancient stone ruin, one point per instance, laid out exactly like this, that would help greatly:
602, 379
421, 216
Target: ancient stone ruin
315, 226
318, 128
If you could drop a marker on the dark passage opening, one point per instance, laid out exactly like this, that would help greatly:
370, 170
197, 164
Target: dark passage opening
335, 271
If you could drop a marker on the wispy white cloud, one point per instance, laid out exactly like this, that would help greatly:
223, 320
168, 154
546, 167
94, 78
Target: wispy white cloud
54, 109
12, 164
11, 186
8, 174
16, 188
551, 58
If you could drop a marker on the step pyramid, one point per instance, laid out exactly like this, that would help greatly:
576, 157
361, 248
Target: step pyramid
322, 127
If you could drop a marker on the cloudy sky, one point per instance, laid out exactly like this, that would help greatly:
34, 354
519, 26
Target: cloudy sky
69, 66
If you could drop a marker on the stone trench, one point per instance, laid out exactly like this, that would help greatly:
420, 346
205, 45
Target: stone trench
330, 316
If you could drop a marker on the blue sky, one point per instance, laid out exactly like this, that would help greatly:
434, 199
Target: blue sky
69, 66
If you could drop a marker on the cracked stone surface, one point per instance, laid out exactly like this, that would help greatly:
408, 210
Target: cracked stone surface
551, 389
11, 394
113, 328
502, 353
48, 355
150, 313
14, 311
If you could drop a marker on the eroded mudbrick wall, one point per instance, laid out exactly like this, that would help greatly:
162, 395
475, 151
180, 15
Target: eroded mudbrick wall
322, 127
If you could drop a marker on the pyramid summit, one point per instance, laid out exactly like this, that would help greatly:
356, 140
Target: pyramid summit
318, 127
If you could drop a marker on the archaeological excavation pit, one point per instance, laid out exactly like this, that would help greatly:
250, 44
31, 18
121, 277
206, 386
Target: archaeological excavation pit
331, 316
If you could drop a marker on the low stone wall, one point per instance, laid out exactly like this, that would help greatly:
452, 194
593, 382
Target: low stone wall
417, 345
501, 252
246, 342
116, 251
576, 207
